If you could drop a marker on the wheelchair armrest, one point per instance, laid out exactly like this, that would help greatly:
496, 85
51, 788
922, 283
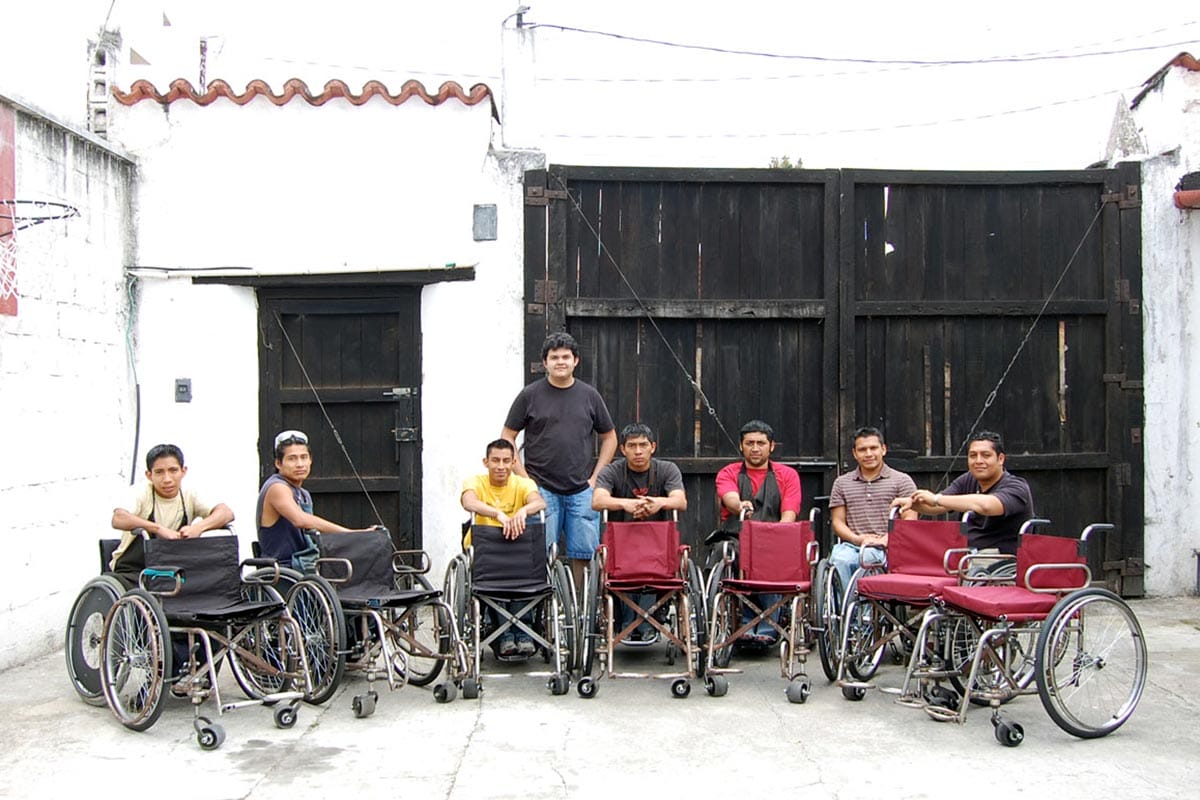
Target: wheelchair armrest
812, 553
150, 573
264, 563
961, 553
1077, 567
335, 578
685, 560
401, 566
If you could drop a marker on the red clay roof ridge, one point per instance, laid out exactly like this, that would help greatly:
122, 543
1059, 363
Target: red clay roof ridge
182, 89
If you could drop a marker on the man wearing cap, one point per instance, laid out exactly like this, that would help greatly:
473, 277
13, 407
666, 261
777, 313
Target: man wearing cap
285, 508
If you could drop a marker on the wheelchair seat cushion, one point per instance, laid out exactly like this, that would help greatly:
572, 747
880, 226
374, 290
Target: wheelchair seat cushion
373, 579
211, 591
1013, 603
907, 588
509, 568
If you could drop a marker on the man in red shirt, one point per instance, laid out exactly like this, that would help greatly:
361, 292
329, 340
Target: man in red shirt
765, 491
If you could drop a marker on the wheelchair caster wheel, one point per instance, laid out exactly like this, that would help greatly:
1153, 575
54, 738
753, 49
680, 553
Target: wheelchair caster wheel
716, 685
470, 689
798, 691
559, 684
364, 704
587, 688
285, 716
855, 693
210, 737
1009, 734
445, 692
681, 688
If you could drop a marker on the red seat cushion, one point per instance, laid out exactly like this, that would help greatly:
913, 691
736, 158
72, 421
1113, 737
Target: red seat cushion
765, 587
993, 602
908, 588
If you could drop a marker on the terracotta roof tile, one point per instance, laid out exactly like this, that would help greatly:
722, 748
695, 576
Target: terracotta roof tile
181, 89
1185, 60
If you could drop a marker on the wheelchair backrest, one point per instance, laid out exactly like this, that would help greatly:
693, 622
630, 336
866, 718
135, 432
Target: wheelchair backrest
775, 551
107, 548
918, 546
508, 565
370, 557
211, 570
641, 550
1038, 548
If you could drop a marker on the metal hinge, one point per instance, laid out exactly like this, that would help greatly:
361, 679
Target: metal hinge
402, 392
405, 434
1120, 379
1131, 197
540, 196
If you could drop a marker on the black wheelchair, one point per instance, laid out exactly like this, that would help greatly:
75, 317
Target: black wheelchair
396, 624
196, 593
502, 587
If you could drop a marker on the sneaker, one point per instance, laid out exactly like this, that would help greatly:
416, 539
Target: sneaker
525, 647
508, 646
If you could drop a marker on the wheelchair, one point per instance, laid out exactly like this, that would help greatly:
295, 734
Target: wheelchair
1082, 646
500, 587
767, 575
196, 589
881, 609
396, 624
633, 559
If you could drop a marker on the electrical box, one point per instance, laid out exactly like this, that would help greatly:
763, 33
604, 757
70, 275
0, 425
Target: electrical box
183, 390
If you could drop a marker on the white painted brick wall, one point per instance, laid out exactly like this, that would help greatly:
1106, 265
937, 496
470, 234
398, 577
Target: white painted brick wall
65, 397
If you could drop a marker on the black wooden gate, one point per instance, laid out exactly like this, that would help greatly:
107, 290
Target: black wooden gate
358, 352
822, 300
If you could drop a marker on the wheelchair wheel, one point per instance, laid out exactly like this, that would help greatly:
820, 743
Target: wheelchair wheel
863, 631
1091, 663
826, 590
313, 603
424, 634
566, 627
85, 632
261, 660
697, 617
590, 624
456, 591
720, 609
136, 659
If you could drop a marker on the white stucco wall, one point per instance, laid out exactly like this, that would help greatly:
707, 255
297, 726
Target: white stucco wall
1169, 122
66, 404
296, 189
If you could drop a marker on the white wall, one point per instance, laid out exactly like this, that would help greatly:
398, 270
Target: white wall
297, 189
1169, 122
66, 400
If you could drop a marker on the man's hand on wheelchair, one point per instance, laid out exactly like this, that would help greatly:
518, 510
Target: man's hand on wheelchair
513, 526
646, 507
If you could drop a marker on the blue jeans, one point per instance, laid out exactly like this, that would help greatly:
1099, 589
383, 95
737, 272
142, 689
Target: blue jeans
570, 516
763, 628
846, 557
626, 614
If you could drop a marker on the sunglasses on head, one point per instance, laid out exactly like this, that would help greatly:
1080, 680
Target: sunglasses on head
291, 437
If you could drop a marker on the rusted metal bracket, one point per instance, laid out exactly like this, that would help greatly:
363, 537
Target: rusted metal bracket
540, 195
1122, 381
1130, 197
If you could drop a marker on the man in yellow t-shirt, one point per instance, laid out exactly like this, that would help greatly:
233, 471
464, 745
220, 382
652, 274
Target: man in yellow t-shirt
505, 500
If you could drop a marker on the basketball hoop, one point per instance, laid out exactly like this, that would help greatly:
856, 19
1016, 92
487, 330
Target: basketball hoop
18, 215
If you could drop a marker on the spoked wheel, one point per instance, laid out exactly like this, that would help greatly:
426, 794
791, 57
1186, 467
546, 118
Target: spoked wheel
313, 603
590, 625
1016, 651
720, 609
826, 591
264, 655
423, 634
565, 633
85, 632
1091, 663
456, 591
863, 629
136, 659
697, 617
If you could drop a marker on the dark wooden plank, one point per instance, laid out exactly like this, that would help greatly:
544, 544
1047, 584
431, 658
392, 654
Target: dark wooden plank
972, 308
659, 307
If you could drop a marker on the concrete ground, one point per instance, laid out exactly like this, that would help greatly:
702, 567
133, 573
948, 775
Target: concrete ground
633, 738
